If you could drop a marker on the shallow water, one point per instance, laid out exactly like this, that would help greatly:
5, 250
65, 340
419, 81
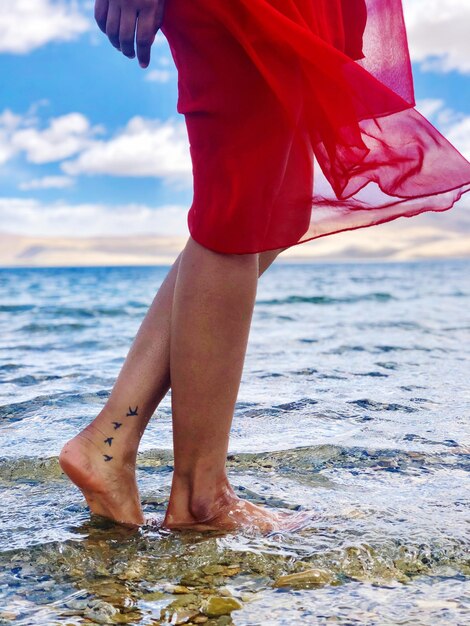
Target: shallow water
353, 406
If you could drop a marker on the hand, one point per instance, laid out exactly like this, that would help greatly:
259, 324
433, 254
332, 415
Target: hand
125, 20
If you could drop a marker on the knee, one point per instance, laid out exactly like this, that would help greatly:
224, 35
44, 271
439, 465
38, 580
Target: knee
267, 258
204, 251
262, 260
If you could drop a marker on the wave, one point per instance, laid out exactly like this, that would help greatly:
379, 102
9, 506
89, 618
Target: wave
70, 311
372, 405
36, 327
16, 308
17, 411
302, 461
295, 299
31, 379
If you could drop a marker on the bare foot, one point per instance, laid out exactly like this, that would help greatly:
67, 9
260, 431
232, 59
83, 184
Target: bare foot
110, 489
228, 513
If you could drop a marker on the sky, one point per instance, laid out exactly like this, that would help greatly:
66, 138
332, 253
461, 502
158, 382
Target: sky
92, 148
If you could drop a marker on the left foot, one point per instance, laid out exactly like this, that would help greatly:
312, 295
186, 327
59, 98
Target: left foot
109, 487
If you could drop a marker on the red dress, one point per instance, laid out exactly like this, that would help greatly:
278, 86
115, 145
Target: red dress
301, 121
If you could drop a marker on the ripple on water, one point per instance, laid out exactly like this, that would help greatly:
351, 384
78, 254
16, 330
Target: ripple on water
151, 575
16, 308
352, 409
36, 327
373, 405
10, 367
25, 381
150, 570
295, 299
41, 404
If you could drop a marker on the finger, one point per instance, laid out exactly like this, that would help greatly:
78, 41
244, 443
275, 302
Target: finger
160, 13
112, 24
127, 32
145, 35
101, 13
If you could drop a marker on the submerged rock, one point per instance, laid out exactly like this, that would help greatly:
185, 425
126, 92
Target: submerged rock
100, 612
183, 616
216, 606
305, 578
213, 569
8, 616
177, 589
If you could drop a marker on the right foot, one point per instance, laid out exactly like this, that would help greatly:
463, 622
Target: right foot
240, 515
110, 489
226, 512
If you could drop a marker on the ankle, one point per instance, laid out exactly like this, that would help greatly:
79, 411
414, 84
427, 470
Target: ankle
206, 506
125, 435
200, 496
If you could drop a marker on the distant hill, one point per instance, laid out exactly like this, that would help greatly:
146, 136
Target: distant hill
426, 236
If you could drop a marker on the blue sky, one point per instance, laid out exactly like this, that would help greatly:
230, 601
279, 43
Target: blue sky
90, 77
91, 144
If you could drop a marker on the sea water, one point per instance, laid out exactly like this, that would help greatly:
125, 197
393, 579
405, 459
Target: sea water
354, 406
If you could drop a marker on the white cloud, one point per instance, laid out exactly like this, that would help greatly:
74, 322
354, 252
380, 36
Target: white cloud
459, 135
48, 182
158, 76
161, 74
9, 122
437, 30
29, 216
454, 126
6, 151
65, 136
429, 106
164, 60
438, 34
29, 24
143, 148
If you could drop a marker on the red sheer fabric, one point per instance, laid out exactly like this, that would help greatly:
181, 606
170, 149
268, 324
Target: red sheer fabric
301, 121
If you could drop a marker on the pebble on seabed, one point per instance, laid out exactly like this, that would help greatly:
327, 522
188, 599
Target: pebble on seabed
100, 612
216, 606
184, 616
307, 577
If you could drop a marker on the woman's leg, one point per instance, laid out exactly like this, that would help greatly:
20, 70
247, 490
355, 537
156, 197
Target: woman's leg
101, 459
211, 317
